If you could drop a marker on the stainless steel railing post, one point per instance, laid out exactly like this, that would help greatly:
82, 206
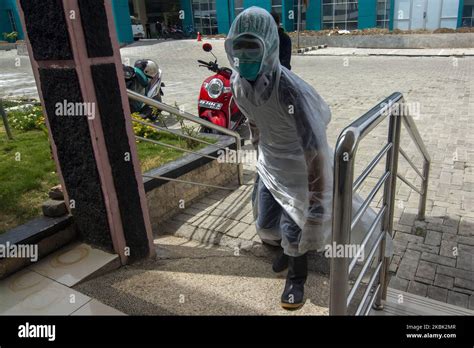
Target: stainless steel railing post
342, 218
412, 130
344, 187
240, 165
424, 187
391, 166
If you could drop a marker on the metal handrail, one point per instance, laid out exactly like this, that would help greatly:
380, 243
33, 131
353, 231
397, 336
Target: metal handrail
156, 142
175, 111
163, 129
344, 222
410, 126
188, 182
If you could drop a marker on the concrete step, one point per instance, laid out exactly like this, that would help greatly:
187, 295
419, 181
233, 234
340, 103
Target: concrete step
190, 278
404, 303
193, 278
210, 236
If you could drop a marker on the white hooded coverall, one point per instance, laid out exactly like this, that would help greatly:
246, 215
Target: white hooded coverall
288, 121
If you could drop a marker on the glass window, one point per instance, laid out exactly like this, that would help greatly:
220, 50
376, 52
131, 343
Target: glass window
12, 20
277, 8
205, 17
450, 9
239, 6
340, 14
468, 14
383, 13
303, 15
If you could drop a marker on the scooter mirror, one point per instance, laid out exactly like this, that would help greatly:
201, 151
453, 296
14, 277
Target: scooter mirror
207, 47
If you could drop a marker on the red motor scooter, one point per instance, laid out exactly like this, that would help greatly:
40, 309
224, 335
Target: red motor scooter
216, 103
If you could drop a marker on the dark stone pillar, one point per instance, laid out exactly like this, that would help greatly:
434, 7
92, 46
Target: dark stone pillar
76, 61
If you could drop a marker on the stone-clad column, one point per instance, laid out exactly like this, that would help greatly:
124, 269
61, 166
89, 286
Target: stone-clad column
76, 62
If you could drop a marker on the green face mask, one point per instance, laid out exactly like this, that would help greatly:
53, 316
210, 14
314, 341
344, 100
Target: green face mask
249, 70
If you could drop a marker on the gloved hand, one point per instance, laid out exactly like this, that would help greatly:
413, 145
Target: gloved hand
315, 235
315, 229
315, 214
313, 226
314, 219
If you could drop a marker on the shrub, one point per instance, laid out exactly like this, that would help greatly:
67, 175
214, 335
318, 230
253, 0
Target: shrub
11, 37
188, 130
26, 119
144, 131
148, 132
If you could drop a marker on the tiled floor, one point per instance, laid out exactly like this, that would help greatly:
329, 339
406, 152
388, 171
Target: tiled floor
29, 293
94, 307
44, 288
72, 264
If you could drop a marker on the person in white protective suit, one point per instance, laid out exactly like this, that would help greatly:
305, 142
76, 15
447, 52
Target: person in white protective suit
292, 198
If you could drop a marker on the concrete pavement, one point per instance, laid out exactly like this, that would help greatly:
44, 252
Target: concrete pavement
419, 52
189, 278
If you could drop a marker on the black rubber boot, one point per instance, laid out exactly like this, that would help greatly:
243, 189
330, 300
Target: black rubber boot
280, 262
293, 295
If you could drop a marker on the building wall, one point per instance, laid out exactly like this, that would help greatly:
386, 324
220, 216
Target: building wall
392, 14
123, 24
461, 5
5, 25
438, 14
186, 6
367, 14
286, 21
225, 15
4, 22
266, 4
314, 15
120, 8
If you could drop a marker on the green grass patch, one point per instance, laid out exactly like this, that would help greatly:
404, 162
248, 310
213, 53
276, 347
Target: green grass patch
27, 170
153, 155
26, 174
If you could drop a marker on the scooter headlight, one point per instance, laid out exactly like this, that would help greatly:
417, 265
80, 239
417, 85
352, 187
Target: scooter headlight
215, 88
